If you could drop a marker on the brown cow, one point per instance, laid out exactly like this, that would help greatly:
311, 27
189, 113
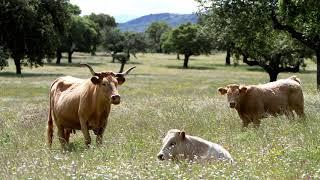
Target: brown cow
83, 104
254, 102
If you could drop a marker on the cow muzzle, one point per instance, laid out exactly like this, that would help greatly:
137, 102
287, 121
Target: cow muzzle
115, 99
161, 156
232, 104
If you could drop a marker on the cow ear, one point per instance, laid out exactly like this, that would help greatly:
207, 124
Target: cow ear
182, 135
95, 80
243, 89
121, 80
222, 90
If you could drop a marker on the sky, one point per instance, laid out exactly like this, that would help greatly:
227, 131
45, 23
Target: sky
124, 10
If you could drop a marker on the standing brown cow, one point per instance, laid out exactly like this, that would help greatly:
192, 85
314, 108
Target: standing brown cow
254, 102
83, 104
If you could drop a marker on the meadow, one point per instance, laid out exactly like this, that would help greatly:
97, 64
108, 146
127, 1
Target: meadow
157, 96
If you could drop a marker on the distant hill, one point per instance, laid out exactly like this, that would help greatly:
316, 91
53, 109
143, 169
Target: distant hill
141, 24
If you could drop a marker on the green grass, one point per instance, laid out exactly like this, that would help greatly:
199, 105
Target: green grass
156, 97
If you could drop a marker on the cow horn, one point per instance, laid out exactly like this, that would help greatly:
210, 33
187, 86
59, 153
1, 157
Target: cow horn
125, 73
90, 68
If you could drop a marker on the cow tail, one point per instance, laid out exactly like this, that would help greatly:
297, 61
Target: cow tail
295, 79
50, 129
50, 122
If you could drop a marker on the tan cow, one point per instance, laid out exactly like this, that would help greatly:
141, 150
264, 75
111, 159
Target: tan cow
254, 102
83, 104
177, 143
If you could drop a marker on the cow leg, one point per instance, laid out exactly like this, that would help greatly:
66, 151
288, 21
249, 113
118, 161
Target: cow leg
256, 123
256, 118
85, 132
61, 136
67, 133
299, 109
297, 103
289, 114
99, 132
245, 120
245, 123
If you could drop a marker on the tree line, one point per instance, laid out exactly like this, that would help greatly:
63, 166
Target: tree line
276, 35
34, 30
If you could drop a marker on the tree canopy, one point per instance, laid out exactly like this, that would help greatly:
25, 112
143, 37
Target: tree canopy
29, 30
117, 41
3, 57
189, 40
113, 41
246, 27
104, 23
82, 34
301, 19
154, 32
166, 43
122, 44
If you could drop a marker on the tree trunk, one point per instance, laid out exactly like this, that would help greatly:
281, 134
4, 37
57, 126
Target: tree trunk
178, 56
228, 56
128, 55
122, 67
93, 50
186, 60
273, 75
318, 69
112, 55
245, 58
17, 62
70, 56
59, 56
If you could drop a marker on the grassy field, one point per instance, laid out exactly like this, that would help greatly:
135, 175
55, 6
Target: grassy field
156, 97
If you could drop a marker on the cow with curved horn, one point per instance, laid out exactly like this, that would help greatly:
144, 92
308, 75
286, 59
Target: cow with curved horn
83, 104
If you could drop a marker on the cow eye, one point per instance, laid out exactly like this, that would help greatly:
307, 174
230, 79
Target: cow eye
104, 84
173, 144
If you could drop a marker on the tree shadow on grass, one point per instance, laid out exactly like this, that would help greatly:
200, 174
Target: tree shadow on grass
71, 147
13, 74
254, 69
175, 59
133, 62
308, 71
79, 57
241, 66
72, 64
76, 147
232, 65
192, 67
127, 63
259, 69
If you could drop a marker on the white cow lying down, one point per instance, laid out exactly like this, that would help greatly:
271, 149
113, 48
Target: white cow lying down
177, 143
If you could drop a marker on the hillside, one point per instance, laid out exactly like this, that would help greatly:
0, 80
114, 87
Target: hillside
140, 24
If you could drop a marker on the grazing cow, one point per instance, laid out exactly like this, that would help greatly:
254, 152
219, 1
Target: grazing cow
254, 102
83, 104
177, 143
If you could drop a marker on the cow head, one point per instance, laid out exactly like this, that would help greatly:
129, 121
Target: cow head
173, 144
234, 93
108, 83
